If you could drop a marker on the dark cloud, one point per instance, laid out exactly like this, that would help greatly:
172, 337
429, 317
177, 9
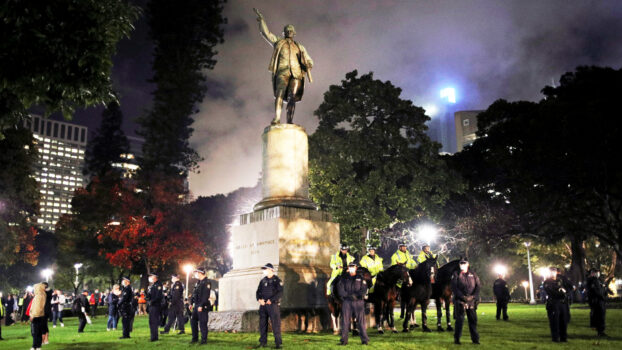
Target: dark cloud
486, 49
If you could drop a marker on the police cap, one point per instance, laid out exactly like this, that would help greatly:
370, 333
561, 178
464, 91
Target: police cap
126, 278
200, 270
174, 275
371, 248
268, 266
344, 246
464, 260
402, 244
352, 264
153, 274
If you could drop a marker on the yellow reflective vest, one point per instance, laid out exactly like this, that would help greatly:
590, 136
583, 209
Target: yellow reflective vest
336, 262
373, 265
403, 258
423, 256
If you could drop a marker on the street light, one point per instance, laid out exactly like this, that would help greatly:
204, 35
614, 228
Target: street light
525, 285
532, 301
544, 272
500, 269
427, 233
188, 268
47, 273
77, 266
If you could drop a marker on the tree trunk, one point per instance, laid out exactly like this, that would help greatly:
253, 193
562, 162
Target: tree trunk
576, 272
364, 240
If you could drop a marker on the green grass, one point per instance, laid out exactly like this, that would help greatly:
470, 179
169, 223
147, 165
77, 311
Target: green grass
527, 329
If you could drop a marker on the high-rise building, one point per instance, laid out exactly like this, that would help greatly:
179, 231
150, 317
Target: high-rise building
129, 165
58, 171
466, 128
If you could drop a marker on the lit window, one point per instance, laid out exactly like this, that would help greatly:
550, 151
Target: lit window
466, 122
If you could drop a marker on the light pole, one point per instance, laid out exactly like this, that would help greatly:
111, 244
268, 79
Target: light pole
525, 285
77, 266
46, 273
532, 301
187, 269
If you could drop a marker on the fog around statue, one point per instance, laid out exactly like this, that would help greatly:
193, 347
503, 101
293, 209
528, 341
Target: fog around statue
289, 65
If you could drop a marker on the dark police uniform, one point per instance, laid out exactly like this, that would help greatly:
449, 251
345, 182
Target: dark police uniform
154, 297
200, 298
270, 289
352, 290
597, 295
557, 309
465, 287
502, 293
126, 310
176, 309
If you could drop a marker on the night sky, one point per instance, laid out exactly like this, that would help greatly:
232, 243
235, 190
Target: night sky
486, 50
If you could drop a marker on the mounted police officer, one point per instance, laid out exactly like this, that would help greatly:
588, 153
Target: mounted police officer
352, 289
556, 306
337, 264
176, 310
465, 288
373, 263
269, 293
200, 305
502, 294
155, 296
403, 257
597, 295
125, 307
426, 254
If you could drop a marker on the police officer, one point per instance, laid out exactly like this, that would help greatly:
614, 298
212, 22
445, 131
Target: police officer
597, 295
154, 297
352, 289
125, 307
337, 263
373, 263
556, 307
200, 305
403, 257
176, 309
465, 287
268, 295
502, 294
426, 254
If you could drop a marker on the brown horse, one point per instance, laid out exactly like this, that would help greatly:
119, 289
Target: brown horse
334, 301
441, 293
385, 294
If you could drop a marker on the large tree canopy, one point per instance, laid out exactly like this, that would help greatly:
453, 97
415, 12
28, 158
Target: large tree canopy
371, 163
58, 54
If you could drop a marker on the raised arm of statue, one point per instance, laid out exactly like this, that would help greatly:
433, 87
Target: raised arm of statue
263, 29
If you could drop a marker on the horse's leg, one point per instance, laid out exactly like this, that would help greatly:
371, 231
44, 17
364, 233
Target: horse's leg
391, 316
439, 314
448, 314
407, 315
378, 313
424, 316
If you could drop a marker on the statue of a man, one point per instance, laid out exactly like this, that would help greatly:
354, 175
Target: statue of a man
290, 63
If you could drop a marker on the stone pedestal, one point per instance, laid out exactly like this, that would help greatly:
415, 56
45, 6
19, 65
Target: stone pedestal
284, 229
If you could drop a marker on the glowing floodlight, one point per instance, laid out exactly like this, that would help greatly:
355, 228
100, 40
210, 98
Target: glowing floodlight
449, 94
427, 233
544, 272
500, 269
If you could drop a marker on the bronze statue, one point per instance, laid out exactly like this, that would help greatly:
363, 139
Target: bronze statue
290, 63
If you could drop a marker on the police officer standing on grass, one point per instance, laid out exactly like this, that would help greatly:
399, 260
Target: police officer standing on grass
154, 297
597, 295
125, 307
502, 294
465, 287
556, 306
269, 293
176, 309
200, 305
352, 289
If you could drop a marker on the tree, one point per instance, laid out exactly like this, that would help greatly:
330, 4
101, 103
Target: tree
19, 196
371, 163
184, 36
108, 145
58, 54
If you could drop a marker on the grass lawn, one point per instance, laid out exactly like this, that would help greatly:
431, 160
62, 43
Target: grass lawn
527, 329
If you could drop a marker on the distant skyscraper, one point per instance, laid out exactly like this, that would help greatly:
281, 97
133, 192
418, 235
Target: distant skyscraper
466, 127
58, 171
129, 165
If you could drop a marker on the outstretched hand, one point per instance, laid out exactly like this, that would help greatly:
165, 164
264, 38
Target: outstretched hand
259, 15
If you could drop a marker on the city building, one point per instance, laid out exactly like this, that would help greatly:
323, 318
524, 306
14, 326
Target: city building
129, 165
466, 128
58, 171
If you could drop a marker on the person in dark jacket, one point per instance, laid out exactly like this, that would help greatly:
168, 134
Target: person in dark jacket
352, 289
597, 295
154, 296
269, 293
176, 308
465, 287
125, 307
502, 294
112, 299
200, 304
82, 309
556, 306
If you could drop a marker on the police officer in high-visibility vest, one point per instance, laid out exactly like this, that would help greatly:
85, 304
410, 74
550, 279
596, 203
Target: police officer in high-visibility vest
373, 263
403, 257
337, 263
426, 254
